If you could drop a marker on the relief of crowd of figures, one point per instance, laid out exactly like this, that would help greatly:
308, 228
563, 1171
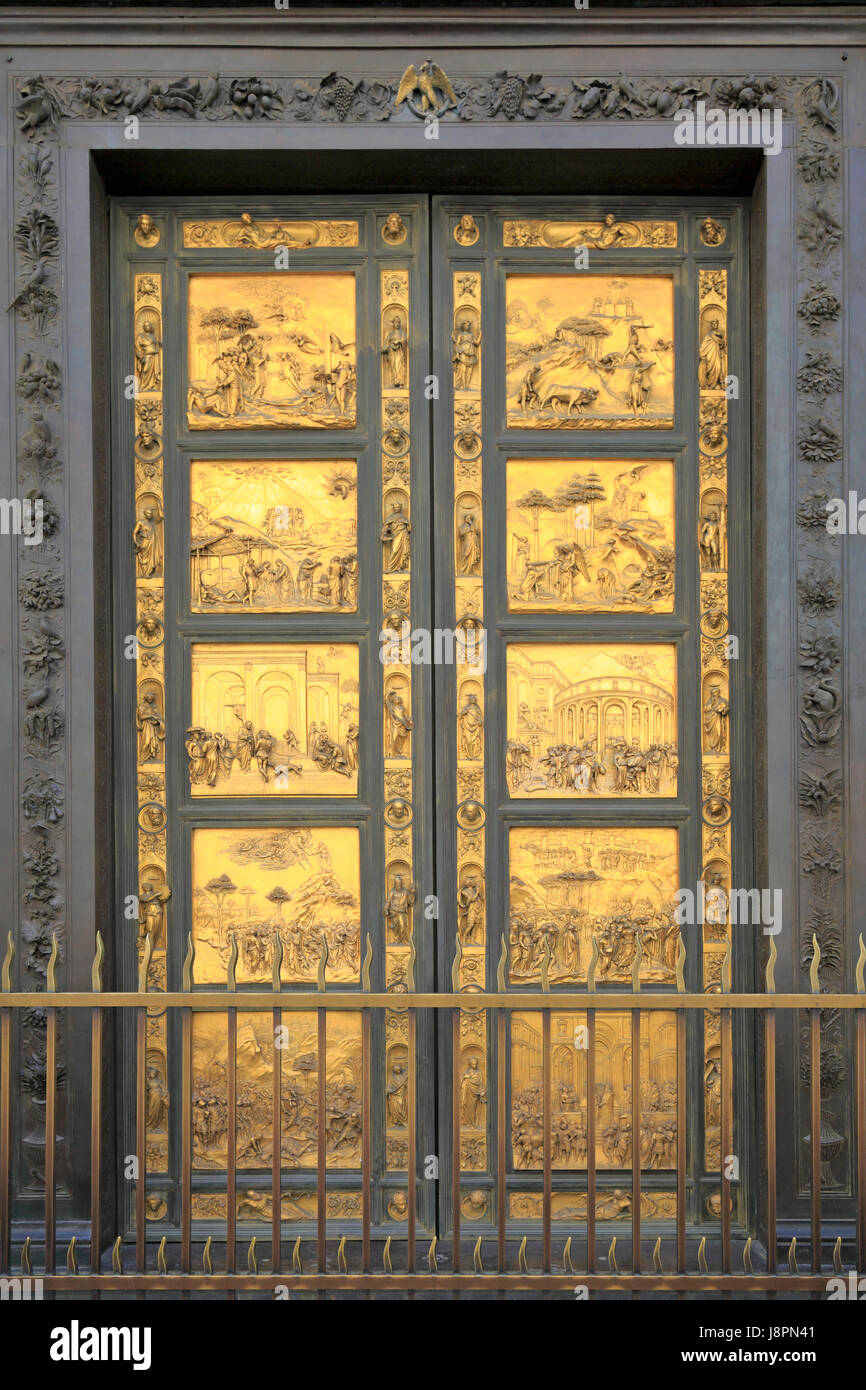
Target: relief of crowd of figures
42, 104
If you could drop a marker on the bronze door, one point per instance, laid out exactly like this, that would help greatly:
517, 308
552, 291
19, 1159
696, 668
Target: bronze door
425, 684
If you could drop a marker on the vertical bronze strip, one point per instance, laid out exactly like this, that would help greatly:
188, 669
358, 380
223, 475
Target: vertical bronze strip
547, 1139
455, 1137
411, 1159
590, 1141
815, 1132
321, 1189
635, 1139
501, 1183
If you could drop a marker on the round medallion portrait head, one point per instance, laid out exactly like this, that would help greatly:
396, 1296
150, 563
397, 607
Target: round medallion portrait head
466, 232
712, 233
146, 230
394, 229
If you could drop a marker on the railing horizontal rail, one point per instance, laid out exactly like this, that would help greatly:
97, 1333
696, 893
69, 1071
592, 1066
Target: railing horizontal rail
210, 1000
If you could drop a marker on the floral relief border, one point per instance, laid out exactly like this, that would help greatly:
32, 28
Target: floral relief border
44, 104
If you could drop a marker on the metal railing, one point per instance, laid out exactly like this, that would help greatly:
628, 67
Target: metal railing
495, 1262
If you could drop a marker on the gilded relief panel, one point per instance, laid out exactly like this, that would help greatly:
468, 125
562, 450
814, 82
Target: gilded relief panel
589, 351
590, 535
271, 351
612, 1099
569, 883
273, 536
608, 234
586, 719
274, 719
299, 1066
300, 883
268, 234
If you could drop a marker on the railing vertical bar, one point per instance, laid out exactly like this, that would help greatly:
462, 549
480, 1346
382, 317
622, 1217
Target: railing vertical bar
276, 1156
725, 1135
321, 1152
815, 1132
455, 1138
591, 1117
186, 1140
860, 1130
547, 1139
366, 1139
681, 1141
5, 1139
140, 1140
411, 1158
501, 1183
50, 1138
232, 1146
770, 1119
96, 1033
635, 1138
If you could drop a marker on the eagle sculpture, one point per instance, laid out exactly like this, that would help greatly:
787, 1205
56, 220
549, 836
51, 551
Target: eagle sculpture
427, 82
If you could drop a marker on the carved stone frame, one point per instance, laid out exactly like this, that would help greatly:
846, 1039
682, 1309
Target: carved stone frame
809, 371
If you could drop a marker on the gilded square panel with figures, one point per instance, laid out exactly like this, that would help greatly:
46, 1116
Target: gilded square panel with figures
589, 351
271, 351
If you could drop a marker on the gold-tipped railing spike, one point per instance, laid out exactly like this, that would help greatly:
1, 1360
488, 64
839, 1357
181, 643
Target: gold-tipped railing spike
71, 1261
232, 964
25, 1257
681, 966
477, 1264
747, 1257
323, 962
792, 1256
161, 1263
144, 963
51, 971
116, 1261
455, 965
341, 1256
611, 1257
770, 969
277, 964
521, 1257
837, 1255
503, 963
593, 962
410, 967
814, 981
726, 968
206, 1258
702, 1256
567, 1265
657, 1257
367, 967
252, 1262
6, 973
297, 1267
431, 1257
545, 967
386, 1257
860, 968
635, 969
96, 967
188, 964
